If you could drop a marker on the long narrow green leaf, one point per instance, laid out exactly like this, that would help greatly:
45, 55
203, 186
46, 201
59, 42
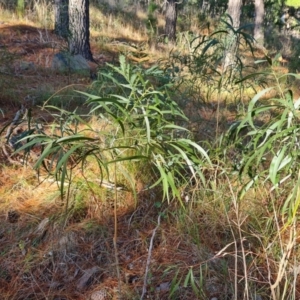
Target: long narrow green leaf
133, 158
47, 151
253, 102
164, 180
148, 129
173, 126
189, 163
247, 187
74, 138
35, 141
187, 278
297, 76
124, 100
64, 159
90, 96
103, 101
193, 284
196, 146
275, 164
172, 185
62, 179
175, 283
37, 136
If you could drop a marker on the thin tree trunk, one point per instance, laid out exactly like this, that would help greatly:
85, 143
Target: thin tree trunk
79, 39
234, 11
61, 12
259, 19
171, 19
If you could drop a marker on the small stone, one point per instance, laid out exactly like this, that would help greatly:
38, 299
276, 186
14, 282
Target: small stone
99, 295
85, 278
163, 287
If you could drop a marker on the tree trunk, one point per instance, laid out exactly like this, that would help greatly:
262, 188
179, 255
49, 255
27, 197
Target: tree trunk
234, 11
79, 27
259, 19
61, 12
171, 19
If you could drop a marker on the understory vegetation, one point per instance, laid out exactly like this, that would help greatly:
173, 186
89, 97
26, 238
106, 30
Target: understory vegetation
166, 176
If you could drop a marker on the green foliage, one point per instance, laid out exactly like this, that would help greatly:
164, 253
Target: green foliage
193, 280
293, 3
151, 22
20, 8
267, 154
273, 11
268, 136
143, 120
205, 61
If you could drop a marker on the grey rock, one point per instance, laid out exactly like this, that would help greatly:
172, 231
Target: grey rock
163, 287
65, 62
84, 279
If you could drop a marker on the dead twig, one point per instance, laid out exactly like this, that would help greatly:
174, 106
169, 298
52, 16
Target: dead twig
149, 257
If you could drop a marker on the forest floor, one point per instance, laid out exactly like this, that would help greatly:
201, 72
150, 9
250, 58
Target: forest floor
48, 252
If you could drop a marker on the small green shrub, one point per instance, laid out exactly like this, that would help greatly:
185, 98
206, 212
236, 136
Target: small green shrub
270, 145
267, 155
143, 129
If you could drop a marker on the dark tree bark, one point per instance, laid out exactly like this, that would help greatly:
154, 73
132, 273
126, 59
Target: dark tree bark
79, 27
171, 19
259, 19
61, 12
234, 11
